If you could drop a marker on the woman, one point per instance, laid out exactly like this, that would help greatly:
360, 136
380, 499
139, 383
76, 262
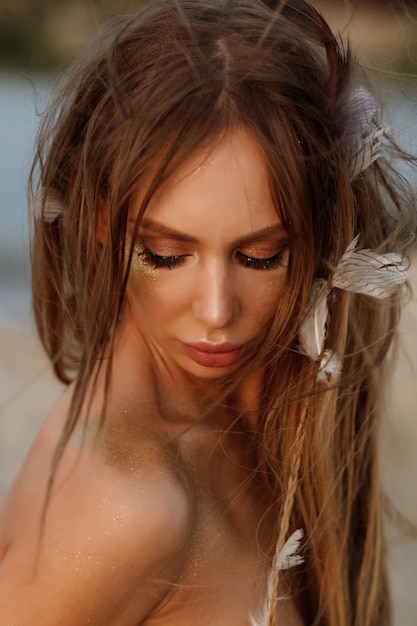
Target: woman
208, 181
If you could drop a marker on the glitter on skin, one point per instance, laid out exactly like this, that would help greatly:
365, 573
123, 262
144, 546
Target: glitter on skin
146, 274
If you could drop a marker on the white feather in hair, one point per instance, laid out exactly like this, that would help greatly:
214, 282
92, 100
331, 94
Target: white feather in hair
288, 556
286, 559
358, 271
364, 271
313, 329
330, 367
47, 205
364, 136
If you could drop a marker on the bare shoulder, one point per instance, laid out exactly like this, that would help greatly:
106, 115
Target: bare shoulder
114, 537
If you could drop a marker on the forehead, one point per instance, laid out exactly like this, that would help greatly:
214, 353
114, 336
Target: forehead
226, 185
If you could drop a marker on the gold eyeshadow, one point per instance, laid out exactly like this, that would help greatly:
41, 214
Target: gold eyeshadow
141, 270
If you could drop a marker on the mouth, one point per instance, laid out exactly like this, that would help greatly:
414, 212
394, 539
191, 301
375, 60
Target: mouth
212, 355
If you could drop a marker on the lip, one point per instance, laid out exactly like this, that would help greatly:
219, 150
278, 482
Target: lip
212, 355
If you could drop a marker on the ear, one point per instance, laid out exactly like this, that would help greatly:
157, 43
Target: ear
102, 224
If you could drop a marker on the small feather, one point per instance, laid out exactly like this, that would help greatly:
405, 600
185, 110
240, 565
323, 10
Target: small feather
313, 329
364, 137
288, 556
364, 271
259, 618
330, 367
286, 559
368, 151
47, 205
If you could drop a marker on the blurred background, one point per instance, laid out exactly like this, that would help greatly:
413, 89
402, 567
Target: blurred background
38, 39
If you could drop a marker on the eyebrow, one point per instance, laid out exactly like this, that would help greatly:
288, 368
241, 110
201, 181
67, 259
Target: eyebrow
172, 233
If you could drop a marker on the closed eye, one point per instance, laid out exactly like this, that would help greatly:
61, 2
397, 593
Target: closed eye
157, 261
270, 263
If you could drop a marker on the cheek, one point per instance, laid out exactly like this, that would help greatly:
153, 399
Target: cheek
141, 275
264, 295
153, 292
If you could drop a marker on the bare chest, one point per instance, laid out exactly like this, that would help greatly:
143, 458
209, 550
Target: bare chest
223, 580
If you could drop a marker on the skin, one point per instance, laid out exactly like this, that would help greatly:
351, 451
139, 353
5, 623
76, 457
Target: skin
157, 519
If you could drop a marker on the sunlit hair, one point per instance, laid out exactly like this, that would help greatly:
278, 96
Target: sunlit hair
155, 88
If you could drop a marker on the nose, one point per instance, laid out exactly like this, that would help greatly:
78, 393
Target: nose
216, 303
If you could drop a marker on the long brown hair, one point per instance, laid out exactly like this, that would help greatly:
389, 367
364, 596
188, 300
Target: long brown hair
154, 88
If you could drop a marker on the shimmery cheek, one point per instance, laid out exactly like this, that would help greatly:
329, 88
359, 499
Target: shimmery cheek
155, 294
276, 278
276, 282
141, 273
265, 295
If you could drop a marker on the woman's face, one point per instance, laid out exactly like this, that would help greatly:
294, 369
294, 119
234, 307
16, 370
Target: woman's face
209, 261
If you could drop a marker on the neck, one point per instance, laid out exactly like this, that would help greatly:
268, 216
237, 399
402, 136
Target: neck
141, 375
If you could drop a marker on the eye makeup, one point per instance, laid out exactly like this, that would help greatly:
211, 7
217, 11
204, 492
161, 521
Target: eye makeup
157, 261
161, 247
141, 269
274, 262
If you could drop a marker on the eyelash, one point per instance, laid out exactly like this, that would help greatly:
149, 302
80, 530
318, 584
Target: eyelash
271, 263
157, 261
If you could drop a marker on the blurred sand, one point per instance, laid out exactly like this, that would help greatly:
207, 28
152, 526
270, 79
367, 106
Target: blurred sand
28, 390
